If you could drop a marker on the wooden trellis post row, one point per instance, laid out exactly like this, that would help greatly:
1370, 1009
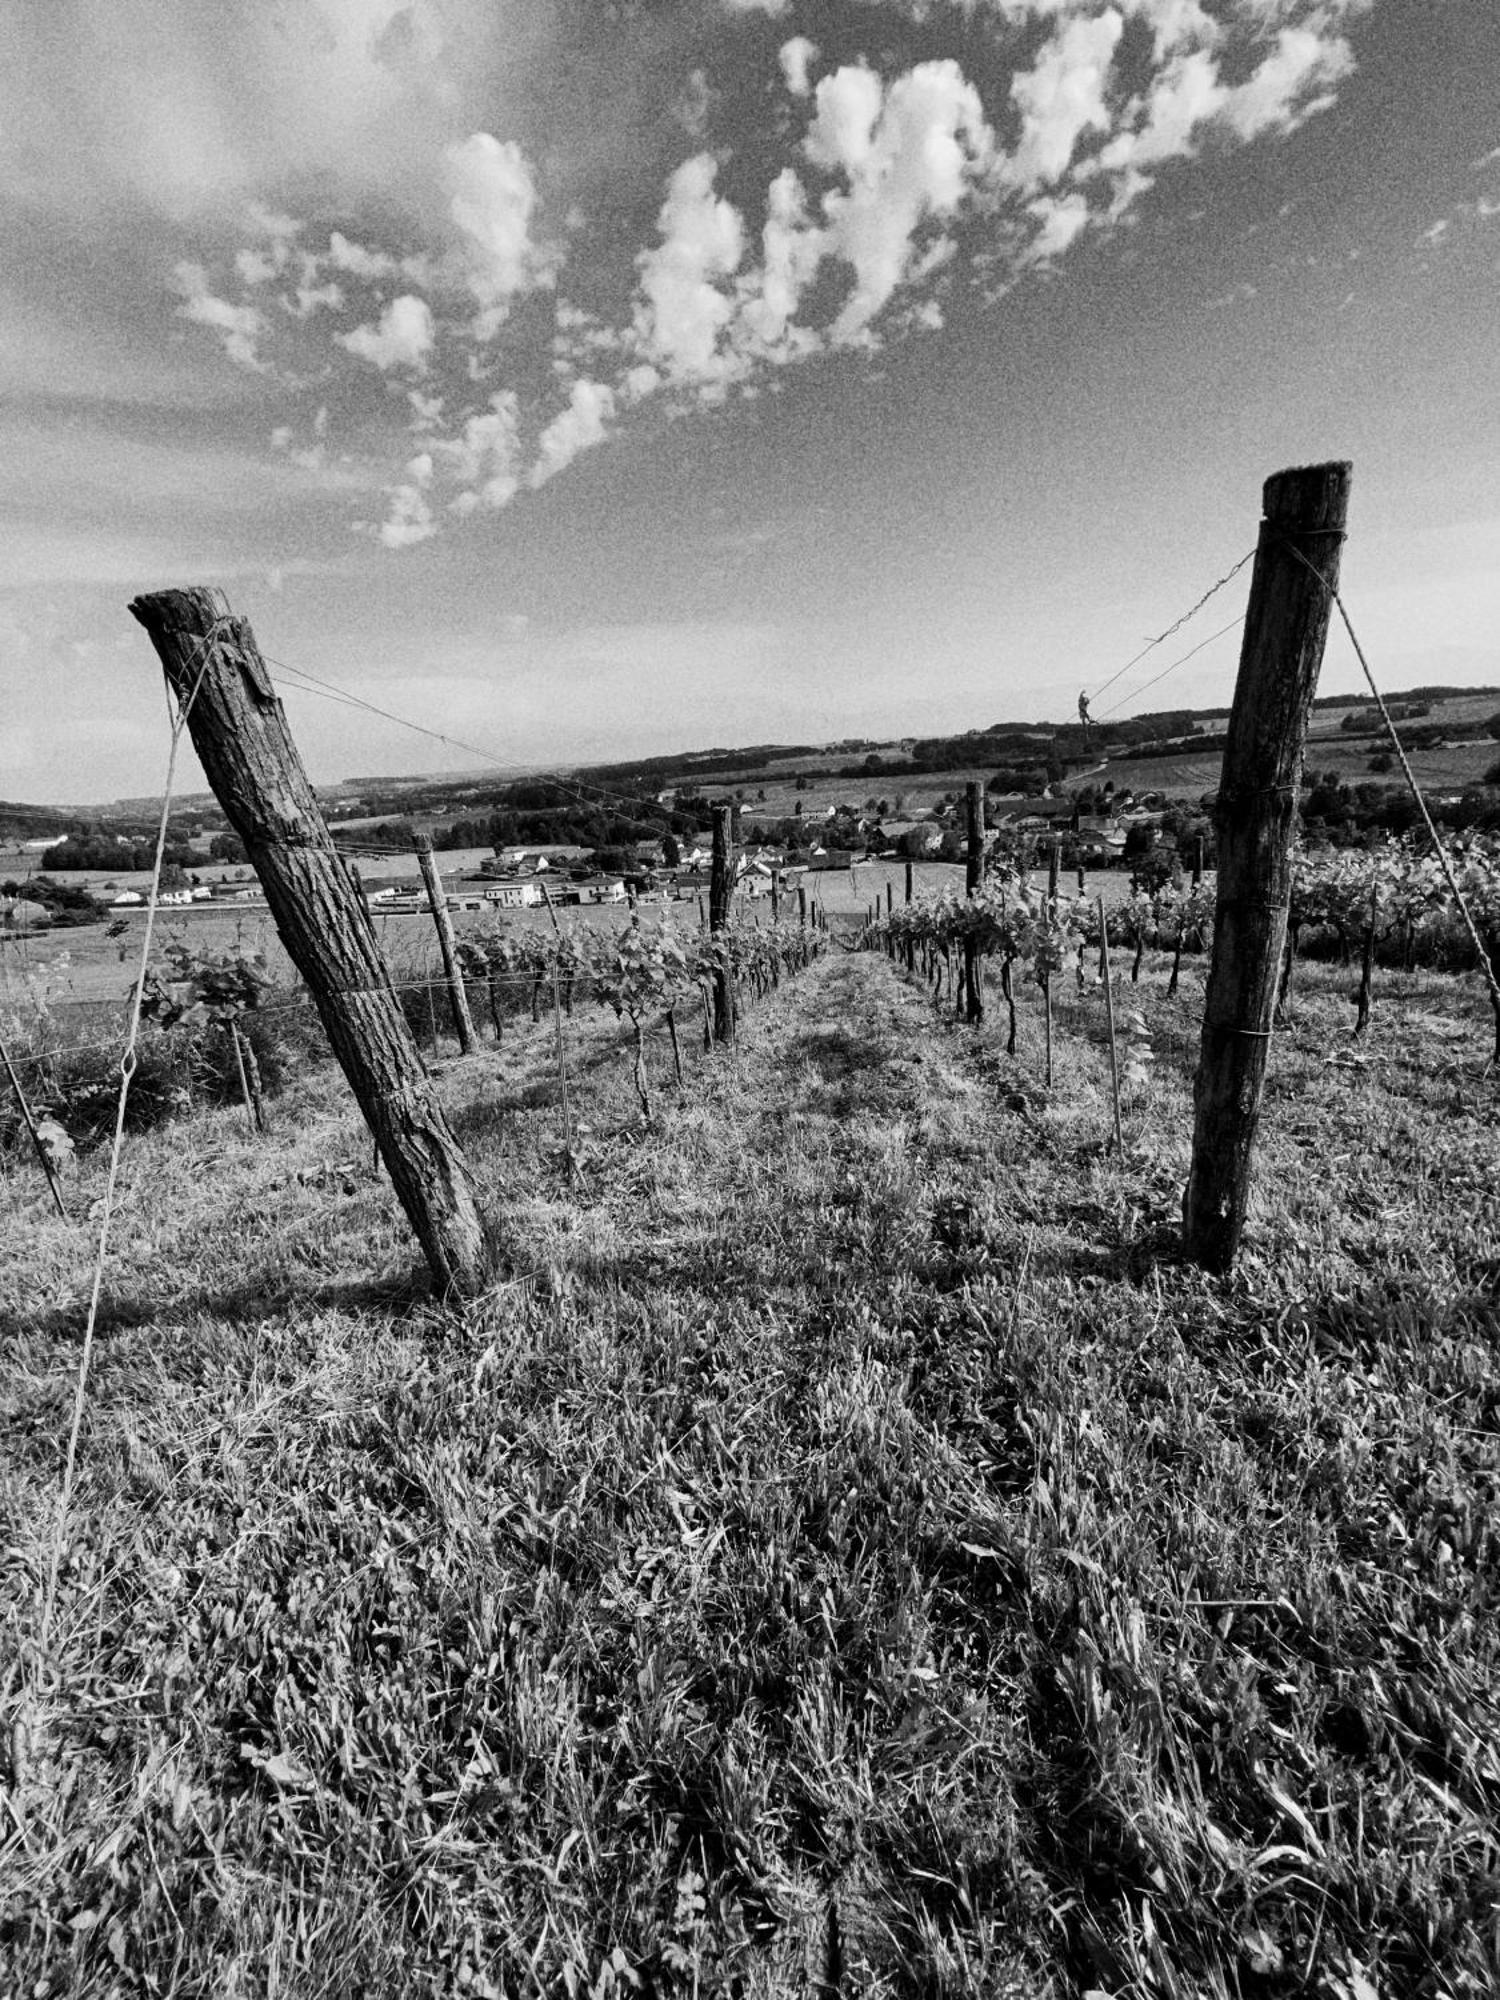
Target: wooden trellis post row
1286, 625
240, 733
720, 896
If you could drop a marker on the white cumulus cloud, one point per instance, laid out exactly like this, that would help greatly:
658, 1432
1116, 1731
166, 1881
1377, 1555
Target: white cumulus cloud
1063, 96
402, 339
912, 165
492, 198
239, 327
585, 422
683, 307
795, 57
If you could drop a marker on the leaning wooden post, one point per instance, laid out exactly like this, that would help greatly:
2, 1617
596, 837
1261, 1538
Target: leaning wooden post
802, 906
463, 1021
1296, 569
973, 875
240, 733
38, 1145
720, 895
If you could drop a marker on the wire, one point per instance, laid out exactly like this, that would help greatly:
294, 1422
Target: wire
127, 1071
1181, 661
1486, 965
1176, 626
334, 693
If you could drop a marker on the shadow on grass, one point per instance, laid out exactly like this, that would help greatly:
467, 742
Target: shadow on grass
258, 1298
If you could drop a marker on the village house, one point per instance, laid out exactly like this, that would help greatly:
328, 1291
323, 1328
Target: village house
514, 896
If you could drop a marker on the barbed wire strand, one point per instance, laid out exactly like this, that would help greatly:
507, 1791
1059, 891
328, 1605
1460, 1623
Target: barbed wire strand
1485, 966
127, 1071
1176, 626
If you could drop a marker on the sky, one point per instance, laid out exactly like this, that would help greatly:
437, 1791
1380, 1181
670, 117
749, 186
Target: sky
588, 379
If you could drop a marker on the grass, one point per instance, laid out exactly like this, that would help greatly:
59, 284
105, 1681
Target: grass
860, 1559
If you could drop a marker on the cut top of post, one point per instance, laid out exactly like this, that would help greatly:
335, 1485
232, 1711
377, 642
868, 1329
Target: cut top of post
1309, 499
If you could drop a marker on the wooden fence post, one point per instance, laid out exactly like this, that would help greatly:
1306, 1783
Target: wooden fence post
240, 733
1296, 569
38, 1144
462, 1019
802, 906
720, 896
973, 875
910, 886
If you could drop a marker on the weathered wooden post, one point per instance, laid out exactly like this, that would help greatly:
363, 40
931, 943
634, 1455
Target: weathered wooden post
910, 885
38, 1144
1296, 570
1054, 867
973, 875
775, 897
802, 906
239, 730
458, 998
720, 895
1109, 1015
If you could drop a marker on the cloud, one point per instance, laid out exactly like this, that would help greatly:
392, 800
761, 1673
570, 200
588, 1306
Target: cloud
1063, 219
847, 226
910, 163
239, 327
791, 251
492, 198
481, 459
354, 258
1293, 83
1063, 96
682, 309
585, 422
795, 57
403, 338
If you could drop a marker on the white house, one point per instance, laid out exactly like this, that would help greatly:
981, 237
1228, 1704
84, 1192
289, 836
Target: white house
514, 895
126, 896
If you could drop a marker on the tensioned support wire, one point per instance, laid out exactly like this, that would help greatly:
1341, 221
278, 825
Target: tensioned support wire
1161, 638
1411, 777
127, 1072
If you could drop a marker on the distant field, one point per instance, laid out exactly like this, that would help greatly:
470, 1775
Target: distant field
1439, 770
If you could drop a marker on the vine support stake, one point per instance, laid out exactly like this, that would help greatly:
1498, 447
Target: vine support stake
1291, 596
1109, 1011
720, 897
463, 1021
44, 1158
239, 730
973, 875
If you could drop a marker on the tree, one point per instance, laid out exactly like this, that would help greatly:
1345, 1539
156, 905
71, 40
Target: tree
1492, 728
671, 852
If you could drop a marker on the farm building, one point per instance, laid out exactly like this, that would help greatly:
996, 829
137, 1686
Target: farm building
514, 895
